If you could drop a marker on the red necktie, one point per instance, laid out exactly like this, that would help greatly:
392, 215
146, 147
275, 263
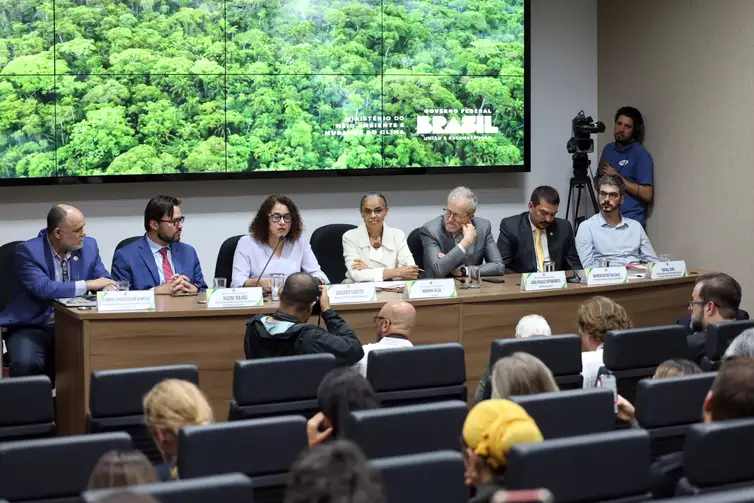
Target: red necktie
166, 269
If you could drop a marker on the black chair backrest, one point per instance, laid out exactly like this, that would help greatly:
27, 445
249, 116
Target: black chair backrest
125, 242
435, 477
290, 385
52, 468
327, 245
7, 264
561, 354
667, 407
685, 322
224, 264
410, 429
599, 467
414, 242
27, 411
743, 495
720, 335
402, 376
570, 413
232, 488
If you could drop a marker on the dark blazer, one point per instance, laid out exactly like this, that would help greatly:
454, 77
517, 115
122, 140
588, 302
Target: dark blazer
516, 245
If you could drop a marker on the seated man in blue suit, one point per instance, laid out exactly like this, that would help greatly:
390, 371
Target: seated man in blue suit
60, 262
159, 260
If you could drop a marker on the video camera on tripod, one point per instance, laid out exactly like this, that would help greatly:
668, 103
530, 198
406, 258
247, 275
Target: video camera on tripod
579, 145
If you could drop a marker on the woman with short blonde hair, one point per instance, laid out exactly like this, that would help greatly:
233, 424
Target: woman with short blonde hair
521, 374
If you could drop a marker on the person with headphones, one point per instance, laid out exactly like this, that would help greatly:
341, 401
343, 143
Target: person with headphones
627, 158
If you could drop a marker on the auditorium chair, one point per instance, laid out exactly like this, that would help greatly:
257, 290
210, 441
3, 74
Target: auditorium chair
230, 488
571, 412
7, 284
718, 456
26, 408
278, 386
116, 401
409, 429
224, 264
436, 477
604, 467
263, 449
327, 245
685, 322
560, 353
414, 242
419, 374
53, 469
718, 338
667, 407
634, 354
743, 495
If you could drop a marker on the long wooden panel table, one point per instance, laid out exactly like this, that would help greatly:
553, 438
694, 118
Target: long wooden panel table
181, 330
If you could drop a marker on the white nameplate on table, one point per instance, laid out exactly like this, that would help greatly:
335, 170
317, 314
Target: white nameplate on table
235, 297
352, 292
132, 300
538, 281
666, 270
430, 289
598, 276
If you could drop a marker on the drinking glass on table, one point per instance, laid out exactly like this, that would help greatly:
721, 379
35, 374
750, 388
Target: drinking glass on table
219, 283
278, 279
474, 277
123, 286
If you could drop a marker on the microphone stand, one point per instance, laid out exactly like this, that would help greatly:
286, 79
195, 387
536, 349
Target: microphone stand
575, 274
280, 241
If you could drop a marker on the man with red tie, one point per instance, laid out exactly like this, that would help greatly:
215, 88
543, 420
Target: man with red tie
159, 260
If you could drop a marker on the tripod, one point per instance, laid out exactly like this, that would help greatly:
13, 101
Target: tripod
579, 183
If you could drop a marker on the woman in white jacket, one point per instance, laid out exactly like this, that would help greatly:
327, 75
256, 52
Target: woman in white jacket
374, 251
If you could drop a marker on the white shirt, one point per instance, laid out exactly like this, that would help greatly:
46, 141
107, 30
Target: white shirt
386, 342
393, 252
158, 258
545, 249
57, 263
591, 361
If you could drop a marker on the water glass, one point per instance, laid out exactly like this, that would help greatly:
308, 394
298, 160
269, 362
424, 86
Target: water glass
474, 277
548, 266
123, 286
278, 280
601, 262
219, 283
664, 257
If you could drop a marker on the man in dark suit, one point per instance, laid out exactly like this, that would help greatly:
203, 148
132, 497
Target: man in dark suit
61, 262
528, 240
715, 299
159, 260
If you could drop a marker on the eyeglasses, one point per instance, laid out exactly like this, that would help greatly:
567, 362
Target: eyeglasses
611, 195
277, 217
376, 211
454, 215
693, 303
377, 319
175, 221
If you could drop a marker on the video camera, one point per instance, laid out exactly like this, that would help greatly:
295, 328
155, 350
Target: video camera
582, 128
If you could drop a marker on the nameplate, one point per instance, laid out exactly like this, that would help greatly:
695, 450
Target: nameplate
538, 281
667, 270
430, 289
132, 300
350, 293
597, 276
235, 297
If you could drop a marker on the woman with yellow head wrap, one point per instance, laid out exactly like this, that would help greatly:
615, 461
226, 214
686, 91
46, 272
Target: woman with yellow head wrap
491, 429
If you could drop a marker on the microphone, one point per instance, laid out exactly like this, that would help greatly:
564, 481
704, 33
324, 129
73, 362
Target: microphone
280, 241
575, 274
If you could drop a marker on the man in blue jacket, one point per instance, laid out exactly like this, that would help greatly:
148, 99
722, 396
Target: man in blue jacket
159, 260
60, 262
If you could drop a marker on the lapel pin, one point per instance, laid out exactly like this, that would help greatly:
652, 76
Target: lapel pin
75, 258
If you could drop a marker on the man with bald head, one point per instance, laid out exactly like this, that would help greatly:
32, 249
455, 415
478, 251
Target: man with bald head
395, 326
60, 262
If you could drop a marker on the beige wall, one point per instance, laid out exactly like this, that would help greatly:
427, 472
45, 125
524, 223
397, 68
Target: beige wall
688, 65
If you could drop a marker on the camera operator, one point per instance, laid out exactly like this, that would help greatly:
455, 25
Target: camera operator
627, 158
287, 332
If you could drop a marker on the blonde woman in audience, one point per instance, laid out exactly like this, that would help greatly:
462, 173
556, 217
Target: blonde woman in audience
490, 430
169, 406
597, 316
122, 468
521, 374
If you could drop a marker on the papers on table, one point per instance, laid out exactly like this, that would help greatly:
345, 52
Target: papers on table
390, 285
78, 302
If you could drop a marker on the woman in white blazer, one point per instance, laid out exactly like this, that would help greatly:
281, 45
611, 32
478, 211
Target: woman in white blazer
374, 251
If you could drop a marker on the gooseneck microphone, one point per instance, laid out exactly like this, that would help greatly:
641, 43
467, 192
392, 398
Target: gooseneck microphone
280, 241
575, 274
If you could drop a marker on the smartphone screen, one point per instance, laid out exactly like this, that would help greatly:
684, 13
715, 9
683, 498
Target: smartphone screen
608, 381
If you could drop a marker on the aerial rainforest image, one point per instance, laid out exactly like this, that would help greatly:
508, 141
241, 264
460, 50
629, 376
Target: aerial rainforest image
139, 87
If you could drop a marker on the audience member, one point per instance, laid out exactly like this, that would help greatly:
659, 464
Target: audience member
676, 367
337, 472
743, 345
120, 469
342, 390
490, 430
127, 497
287, 332
715, 299
597, 316
169, 406
521, 374
395, 326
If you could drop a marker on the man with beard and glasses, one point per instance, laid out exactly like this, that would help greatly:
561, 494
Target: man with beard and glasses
159, 260
715, 299
395, 326
609, 236
627, 158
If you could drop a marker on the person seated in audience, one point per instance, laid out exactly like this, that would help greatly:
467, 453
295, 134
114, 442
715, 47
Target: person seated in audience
159, 260
169, 406
341, 391
62, 261
490, 430
676, 367
743, 345
459, 239
336, 472
374, 251
715, 299
528, 326
120, 469
127, 497
395, 326
287, 332
528, 240
598, 316
275, 235
521, 374
609, 236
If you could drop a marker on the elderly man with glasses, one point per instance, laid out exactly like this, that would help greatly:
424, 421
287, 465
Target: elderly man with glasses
458, 239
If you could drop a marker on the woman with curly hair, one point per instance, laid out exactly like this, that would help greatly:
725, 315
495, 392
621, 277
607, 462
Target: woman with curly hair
597, 316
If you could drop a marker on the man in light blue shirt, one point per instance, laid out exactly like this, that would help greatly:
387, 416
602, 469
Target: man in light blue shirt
609, 235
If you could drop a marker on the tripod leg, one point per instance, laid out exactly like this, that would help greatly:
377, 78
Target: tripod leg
590, 189
568, 204
578, 206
